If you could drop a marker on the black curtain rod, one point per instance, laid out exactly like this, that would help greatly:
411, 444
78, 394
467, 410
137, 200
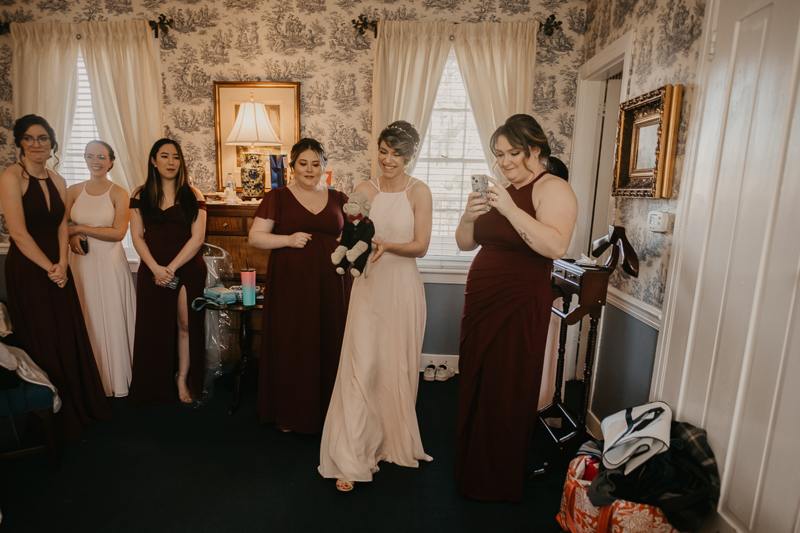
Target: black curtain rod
362, 24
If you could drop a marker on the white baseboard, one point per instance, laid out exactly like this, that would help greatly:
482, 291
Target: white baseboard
593, 426
436, 360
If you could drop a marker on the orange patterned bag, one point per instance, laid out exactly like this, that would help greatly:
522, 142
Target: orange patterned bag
578, 515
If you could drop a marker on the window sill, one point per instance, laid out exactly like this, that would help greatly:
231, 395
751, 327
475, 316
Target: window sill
443, 269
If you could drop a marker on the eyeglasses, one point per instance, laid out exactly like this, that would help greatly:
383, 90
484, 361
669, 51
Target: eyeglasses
90, 157
42, 139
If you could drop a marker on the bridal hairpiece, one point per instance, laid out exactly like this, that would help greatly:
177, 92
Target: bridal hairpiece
400, 131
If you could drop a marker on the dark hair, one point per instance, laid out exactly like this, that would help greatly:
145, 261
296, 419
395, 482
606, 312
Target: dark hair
152, 193
21, 126
523, 133
556, 167
111, 155
304, 144
402, 137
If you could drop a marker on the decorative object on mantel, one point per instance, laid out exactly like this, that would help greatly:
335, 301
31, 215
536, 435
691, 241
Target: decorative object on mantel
621, 251
280, 102
252, 128
362, 24
163, 24
647, 138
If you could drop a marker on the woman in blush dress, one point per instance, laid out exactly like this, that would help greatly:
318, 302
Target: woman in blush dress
98, 214
168, 226
507, 309
305, 299
42, 301
372, 416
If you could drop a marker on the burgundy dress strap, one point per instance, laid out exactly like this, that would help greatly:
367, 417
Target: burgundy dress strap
539, 176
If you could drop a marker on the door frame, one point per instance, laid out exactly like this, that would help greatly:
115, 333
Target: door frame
585, 155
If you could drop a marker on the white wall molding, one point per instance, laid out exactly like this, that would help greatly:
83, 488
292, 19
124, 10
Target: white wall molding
644, 312
593, 425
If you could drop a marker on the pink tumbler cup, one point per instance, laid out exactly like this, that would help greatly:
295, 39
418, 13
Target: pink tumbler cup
249, 286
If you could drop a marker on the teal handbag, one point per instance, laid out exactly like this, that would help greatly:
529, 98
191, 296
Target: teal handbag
217, 295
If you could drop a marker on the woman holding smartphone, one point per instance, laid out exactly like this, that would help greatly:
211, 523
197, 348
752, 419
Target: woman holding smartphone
98, 214
507, 309
168, 226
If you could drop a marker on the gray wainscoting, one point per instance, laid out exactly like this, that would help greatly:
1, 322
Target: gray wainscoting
624, 363
445, 304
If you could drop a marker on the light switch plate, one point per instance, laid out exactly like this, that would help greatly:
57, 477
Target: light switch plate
660, 221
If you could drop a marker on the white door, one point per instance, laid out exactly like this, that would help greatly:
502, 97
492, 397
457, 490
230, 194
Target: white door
731, 337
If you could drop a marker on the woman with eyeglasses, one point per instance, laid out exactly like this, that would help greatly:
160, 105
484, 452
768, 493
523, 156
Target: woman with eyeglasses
44, 306
168, 227
97, 213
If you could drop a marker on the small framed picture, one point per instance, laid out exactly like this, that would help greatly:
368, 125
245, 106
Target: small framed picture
647, 137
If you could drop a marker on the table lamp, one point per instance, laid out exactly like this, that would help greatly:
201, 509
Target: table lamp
252, 128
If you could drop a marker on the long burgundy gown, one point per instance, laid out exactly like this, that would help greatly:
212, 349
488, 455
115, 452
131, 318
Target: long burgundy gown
305, 309
155, 343
503, 337
49, 321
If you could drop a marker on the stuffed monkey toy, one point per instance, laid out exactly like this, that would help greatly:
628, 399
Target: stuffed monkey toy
356, 243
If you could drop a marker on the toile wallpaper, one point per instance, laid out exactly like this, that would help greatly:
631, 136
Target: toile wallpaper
310, 41
313, 42
667, 44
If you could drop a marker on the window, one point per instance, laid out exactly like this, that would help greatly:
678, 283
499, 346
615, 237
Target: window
450, 154
84, 129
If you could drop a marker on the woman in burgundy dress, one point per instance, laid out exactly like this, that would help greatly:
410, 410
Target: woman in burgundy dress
507, 309
44, 306
168, 226
305, 304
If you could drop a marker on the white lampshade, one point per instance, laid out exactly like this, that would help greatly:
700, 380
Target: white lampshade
252, 127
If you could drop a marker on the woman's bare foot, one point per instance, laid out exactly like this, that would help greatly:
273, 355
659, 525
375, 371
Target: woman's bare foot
183, 390
344, 485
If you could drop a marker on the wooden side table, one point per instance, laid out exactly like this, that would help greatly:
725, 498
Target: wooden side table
245, 343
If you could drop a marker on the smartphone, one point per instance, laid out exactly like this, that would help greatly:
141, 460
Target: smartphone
480, 182
174, 283
84, 242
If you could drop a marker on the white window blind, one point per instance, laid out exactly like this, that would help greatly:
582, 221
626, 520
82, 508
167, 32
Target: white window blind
84, 129
450, 154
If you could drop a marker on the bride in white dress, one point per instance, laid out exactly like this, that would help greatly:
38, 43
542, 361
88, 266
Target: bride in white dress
98, 213
372, 415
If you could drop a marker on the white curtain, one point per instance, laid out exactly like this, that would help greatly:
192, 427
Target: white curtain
409, 61
44, 74
122, 63
497, 61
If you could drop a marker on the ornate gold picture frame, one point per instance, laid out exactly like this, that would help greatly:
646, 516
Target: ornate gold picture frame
282, 102
647, 137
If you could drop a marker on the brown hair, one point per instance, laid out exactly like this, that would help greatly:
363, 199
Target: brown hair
304, 144
21, 126
523, 133
402, 137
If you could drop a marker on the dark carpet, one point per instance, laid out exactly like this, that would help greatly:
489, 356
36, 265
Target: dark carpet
176, 468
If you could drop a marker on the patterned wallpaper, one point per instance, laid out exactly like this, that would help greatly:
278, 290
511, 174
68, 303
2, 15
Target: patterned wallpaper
310, 41
665, 51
